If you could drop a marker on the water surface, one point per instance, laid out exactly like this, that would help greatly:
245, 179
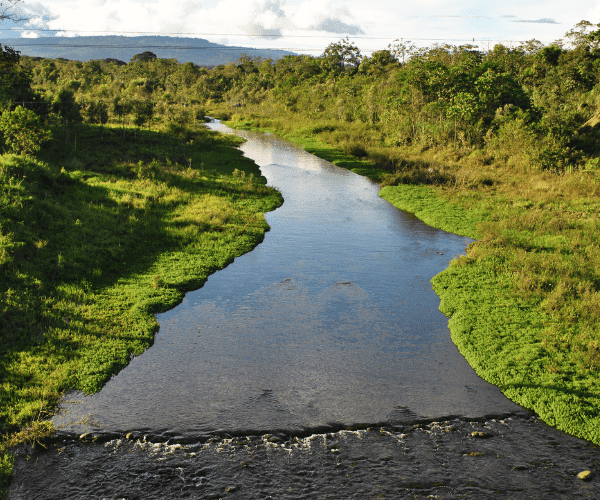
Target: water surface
332, 320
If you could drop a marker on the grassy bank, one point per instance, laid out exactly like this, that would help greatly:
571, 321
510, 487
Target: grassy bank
524, 303
95, 239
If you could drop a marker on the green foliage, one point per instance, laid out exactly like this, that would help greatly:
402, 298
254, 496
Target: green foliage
14, 80
144, 57
341, 56
7, 461
378, 62
435, 211
65, 106
97, 112
92, 247
143, 111
23, 131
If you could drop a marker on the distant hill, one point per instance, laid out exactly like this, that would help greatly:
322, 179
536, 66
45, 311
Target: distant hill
85, 48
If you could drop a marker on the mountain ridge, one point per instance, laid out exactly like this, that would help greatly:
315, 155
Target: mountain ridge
86, 48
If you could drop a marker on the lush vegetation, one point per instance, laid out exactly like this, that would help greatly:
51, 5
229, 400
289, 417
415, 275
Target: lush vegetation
501, 146
105, 226
128, 201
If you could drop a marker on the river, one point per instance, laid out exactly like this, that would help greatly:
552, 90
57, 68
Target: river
316, 366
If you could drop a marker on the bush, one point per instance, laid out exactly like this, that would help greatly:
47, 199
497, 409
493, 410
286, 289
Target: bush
23, 131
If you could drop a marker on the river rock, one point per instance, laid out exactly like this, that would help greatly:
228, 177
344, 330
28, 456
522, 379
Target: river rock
585, 475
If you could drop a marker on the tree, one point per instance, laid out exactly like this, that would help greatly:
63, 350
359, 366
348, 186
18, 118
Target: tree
64, 105
532, 46
144, 57
23, 131
143, 112
383, 58
550, 54
401, 49
578, 34
379, 61
9, 12
97, 112
121, 107
247, 64
118, 62
9, 61
15, 83
341, 55
49, 72
463, 107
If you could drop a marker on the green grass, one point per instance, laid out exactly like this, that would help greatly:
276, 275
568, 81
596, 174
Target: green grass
524, 303
502, 325
312, 144
93, 242
423, 202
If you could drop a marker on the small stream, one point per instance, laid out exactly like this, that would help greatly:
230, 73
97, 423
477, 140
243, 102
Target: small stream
316, 366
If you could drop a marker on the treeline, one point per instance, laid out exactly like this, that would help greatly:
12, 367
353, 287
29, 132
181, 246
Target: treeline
148, 92
533, 106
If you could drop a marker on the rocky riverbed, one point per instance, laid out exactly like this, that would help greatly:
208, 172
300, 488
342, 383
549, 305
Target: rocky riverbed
514, 457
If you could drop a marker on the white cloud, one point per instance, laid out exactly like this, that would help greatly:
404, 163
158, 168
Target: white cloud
30, 34
593, 15
312, 24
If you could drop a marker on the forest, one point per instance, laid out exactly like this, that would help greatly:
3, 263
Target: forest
501, 145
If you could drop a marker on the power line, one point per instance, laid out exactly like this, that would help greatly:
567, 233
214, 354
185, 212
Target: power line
166, 47
207, 34
197, 34
230, 48
157, 33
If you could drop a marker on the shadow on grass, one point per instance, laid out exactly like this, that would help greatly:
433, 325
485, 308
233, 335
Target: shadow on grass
84, 235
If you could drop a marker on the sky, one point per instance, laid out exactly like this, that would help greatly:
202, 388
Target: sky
308, 26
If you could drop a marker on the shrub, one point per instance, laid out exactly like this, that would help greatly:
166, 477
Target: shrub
23, 131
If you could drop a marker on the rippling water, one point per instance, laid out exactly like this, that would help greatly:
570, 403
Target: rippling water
331, 323
513, 458
331, 320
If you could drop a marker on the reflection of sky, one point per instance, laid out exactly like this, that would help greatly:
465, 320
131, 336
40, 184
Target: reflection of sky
311, 24
331, 319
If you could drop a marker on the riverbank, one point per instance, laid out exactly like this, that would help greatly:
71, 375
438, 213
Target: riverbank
95, 239
523, 303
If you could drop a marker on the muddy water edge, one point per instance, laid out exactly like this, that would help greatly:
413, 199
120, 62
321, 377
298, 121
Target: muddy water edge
316, 366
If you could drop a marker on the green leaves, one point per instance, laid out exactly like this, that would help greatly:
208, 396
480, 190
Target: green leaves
65, 106
22, 130
340, 56
464, 107
97, 112
144, 57
14, 81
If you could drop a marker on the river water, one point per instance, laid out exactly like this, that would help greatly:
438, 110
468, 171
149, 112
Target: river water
315, 364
